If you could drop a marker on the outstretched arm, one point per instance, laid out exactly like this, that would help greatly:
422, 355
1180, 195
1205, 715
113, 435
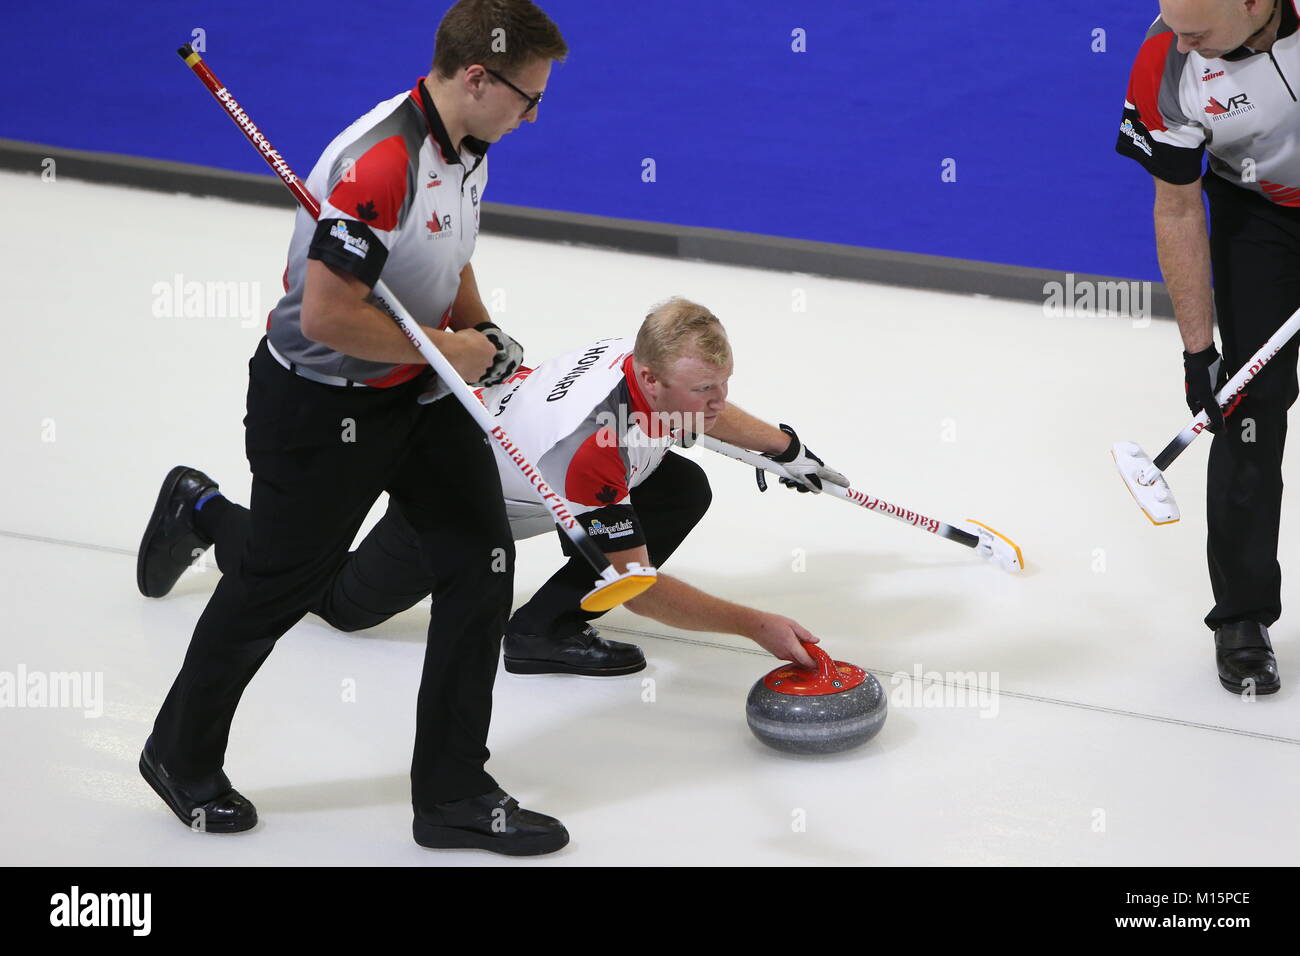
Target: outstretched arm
736, 426
674, 602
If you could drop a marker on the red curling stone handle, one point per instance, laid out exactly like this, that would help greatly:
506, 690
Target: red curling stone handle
825, 665
828, 677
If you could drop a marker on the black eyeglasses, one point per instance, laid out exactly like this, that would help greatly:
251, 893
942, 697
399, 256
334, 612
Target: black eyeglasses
532, 100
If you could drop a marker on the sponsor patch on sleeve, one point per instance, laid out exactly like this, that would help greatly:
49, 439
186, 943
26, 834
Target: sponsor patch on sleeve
1174, 164
351, 246
613, 528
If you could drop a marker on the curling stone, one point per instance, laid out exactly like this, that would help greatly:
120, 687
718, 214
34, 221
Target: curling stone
822, 711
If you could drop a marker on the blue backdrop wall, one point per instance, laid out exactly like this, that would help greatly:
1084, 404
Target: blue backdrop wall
842, 143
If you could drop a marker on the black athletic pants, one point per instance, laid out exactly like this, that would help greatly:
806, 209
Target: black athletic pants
385, 574
1255, 254
668, 505
320, 457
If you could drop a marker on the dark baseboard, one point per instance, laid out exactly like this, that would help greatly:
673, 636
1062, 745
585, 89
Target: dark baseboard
912, 270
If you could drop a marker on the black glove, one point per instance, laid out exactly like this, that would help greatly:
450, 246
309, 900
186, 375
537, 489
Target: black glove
510, 355
800, 461
1204, 375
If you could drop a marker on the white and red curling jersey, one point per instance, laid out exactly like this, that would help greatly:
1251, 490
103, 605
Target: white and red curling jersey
582, 420
1242, 108
398, 201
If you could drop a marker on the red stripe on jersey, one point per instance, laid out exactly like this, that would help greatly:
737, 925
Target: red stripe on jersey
374, 189
596, 474
400, 374
1144, 81
1282, 195
654, 428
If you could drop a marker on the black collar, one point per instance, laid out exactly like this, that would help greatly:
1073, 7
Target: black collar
1286, 26
439, 132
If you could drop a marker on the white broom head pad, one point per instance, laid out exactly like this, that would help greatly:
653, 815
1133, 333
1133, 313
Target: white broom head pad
1147, 485
996, 547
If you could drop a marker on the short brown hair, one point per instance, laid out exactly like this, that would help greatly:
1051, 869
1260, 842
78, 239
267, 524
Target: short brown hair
499, 34
679, 327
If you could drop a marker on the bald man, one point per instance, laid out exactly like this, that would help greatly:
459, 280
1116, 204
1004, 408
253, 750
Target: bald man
1221, 77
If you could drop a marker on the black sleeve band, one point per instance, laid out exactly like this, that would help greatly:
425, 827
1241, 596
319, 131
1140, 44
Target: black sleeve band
351, 246
1179, 165
612, 528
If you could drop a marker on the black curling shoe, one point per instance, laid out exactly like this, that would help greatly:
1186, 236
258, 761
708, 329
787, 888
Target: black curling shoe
170, 539
585, 652
1245, 658
227, 812
491, 821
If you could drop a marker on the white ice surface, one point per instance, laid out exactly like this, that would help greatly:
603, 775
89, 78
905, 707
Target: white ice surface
1112, 741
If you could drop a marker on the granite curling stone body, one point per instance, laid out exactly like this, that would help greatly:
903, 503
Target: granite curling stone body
835, 707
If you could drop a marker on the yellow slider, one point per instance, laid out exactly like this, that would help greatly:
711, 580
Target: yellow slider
622, 589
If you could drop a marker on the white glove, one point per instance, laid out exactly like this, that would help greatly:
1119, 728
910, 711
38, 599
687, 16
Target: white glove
808, 470
510, 355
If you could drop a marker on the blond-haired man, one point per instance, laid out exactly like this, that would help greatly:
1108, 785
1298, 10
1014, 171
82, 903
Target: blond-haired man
599, 422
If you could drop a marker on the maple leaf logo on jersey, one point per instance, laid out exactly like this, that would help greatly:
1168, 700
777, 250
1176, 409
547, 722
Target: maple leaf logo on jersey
1238, 104
607, 495
367, 211
439, 229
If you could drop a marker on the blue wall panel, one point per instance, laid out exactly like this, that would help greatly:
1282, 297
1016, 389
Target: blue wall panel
843, 143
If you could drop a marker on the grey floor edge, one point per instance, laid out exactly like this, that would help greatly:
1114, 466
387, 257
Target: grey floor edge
910, 270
